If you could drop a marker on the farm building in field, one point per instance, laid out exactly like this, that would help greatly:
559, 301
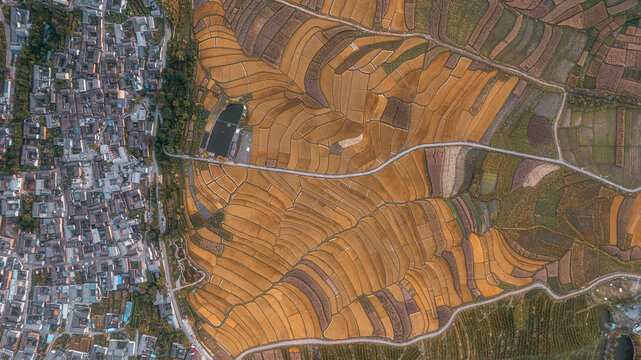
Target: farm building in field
225, 131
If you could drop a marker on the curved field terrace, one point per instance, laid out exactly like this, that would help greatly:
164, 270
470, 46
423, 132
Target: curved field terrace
391, 253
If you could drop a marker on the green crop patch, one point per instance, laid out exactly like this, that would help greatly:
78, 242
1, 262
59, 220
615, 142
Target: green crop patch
632, 74
499, 32
456, 215
422, 14
462, 18
407, 55
590, 3
488, 183
545, 209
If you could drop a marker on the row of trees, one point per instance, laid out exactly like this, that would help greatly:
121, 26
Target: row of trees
145, 317
178, 108
50, 25
176, 99
26, 221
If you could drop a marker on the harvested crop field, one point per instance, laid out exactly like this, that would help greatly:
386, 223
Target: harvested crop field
369, 256
374, 255
392, 254
529, 172
319, 83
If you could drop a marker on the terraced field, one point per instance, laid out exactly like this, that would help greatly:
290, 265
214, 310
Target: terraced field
590, 138
383, 255
392, 254
371, 256
504, 330
327, 98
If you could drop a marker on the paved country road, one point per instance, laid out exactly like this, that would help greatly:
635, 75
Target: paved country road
301, 342
405, 152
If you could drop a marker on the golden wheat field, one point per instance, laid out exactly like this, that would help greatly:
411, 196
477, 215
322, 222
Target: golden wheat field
390, 254
369, 256
319, 84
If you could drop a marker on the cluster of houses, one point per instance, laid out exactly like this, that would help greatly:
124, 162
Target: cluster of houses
122, 350
87, 243
10, 195
39, 298
19, 23
86, 198
89, 92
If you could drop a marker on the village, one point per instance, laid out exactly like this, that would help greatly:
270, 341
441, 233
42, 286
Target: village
77, 238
